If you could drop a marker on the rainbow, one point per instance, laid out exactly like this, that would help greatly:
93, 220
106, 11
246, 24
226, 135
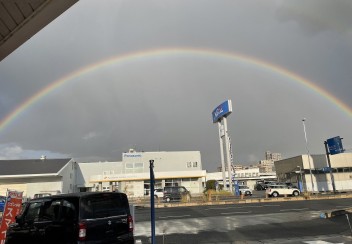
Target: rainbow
165, 53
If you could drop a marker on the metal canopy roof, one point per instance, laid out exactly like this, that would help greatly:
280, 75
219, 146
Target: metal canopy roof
22, 19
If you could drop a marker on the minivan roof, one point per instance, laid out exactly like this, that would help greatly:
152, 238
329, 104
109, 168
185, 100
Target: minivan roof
78, 195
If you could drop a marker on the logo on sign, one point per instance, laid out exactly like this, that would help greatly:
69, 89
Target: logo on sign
222, 110
218, 111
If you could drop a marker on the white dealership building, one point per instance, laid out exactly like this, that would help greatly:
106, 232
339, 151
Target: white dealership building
132, 174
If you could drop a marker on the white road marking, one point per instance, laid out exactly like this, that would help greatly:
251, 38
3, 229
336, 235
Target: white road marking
260, 206
236, 212
293, 209
322, 242
178, 216
222, 208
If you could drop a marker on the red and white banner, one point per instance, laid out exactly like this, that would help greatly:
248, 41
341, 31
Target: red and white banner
11, 210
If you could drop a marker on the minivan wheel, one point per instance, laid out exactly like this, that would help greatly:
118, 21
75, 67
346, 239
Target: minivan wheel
275, 194
295, 193
168, 199
247, 193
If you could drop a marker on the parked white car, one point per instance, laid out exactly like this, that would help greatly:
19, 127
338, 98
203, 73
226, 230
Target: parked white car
159, 193
281, 190
244, 190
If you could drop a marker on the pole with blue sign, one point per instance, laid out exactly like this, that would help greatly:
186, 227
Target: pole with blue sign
152, 207
333, 146
236, 188
219, 116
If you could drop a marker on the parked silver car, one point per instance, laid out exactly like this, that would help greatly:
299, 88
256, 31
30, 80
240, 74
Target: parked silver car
244, 190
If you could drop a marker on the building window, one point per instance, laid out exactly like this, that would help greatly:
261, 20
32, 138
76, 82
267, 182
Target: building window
172, 182
195, 164
189, 164
135, 167
129, 166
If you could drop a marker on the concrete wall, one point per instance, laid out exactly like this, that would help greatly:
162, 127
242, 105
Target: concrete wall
341, 160
51, 186
68, 178
85, 171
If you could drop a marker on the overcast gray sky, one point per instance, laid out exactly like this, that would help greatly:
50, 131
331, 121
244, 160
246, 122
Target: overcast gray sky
164, 102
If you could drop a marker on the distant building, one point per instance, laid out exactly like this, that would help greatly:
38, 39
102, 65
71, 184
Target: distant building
234, 167
272, 156
247, 177
266, 166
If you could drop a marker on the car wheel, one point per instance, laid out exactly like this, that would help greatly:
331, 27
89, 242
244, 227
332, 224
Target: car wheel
168, 199
275, 194
247, 193
295, 193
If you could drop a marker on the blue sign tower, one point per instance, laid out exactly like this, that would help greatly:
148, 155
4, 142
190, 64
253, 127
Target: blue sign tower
219, 116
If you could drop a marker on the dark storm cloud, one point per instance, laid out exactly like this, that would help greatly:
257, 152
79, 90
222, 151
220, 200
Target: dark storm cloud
165, 103
319, 15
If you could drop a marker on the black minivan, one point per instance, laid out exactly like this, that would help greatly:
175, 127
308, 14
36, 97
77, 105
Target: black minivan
87, 217
176, 193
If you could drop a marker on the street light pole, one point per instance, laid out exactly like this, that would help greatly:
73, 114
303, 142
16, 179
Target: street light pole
310, 168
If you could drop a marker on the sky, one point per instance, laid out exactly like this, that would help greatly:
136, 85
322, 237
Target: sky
111, 75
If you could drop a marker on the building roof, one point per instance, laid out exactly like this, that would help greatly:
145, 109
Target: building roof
32, 166
20, 20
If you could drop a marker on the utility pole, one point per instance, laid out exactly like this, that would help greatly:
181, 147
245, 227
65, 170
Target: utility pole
329, 165
152, 207
310, 168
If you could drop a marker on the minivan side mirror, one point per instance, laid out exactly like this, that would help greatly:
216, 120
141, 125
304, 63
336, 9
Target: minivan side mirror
19, 219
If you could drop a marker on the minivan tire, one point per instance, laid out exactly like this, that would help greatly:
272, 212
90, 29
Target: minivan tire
275, 194
295, 193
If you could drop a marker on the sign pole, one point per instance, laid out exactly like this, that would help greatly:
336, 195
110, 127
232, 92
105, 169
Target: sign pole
329, 165
152, 207
227, 145
221, 135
